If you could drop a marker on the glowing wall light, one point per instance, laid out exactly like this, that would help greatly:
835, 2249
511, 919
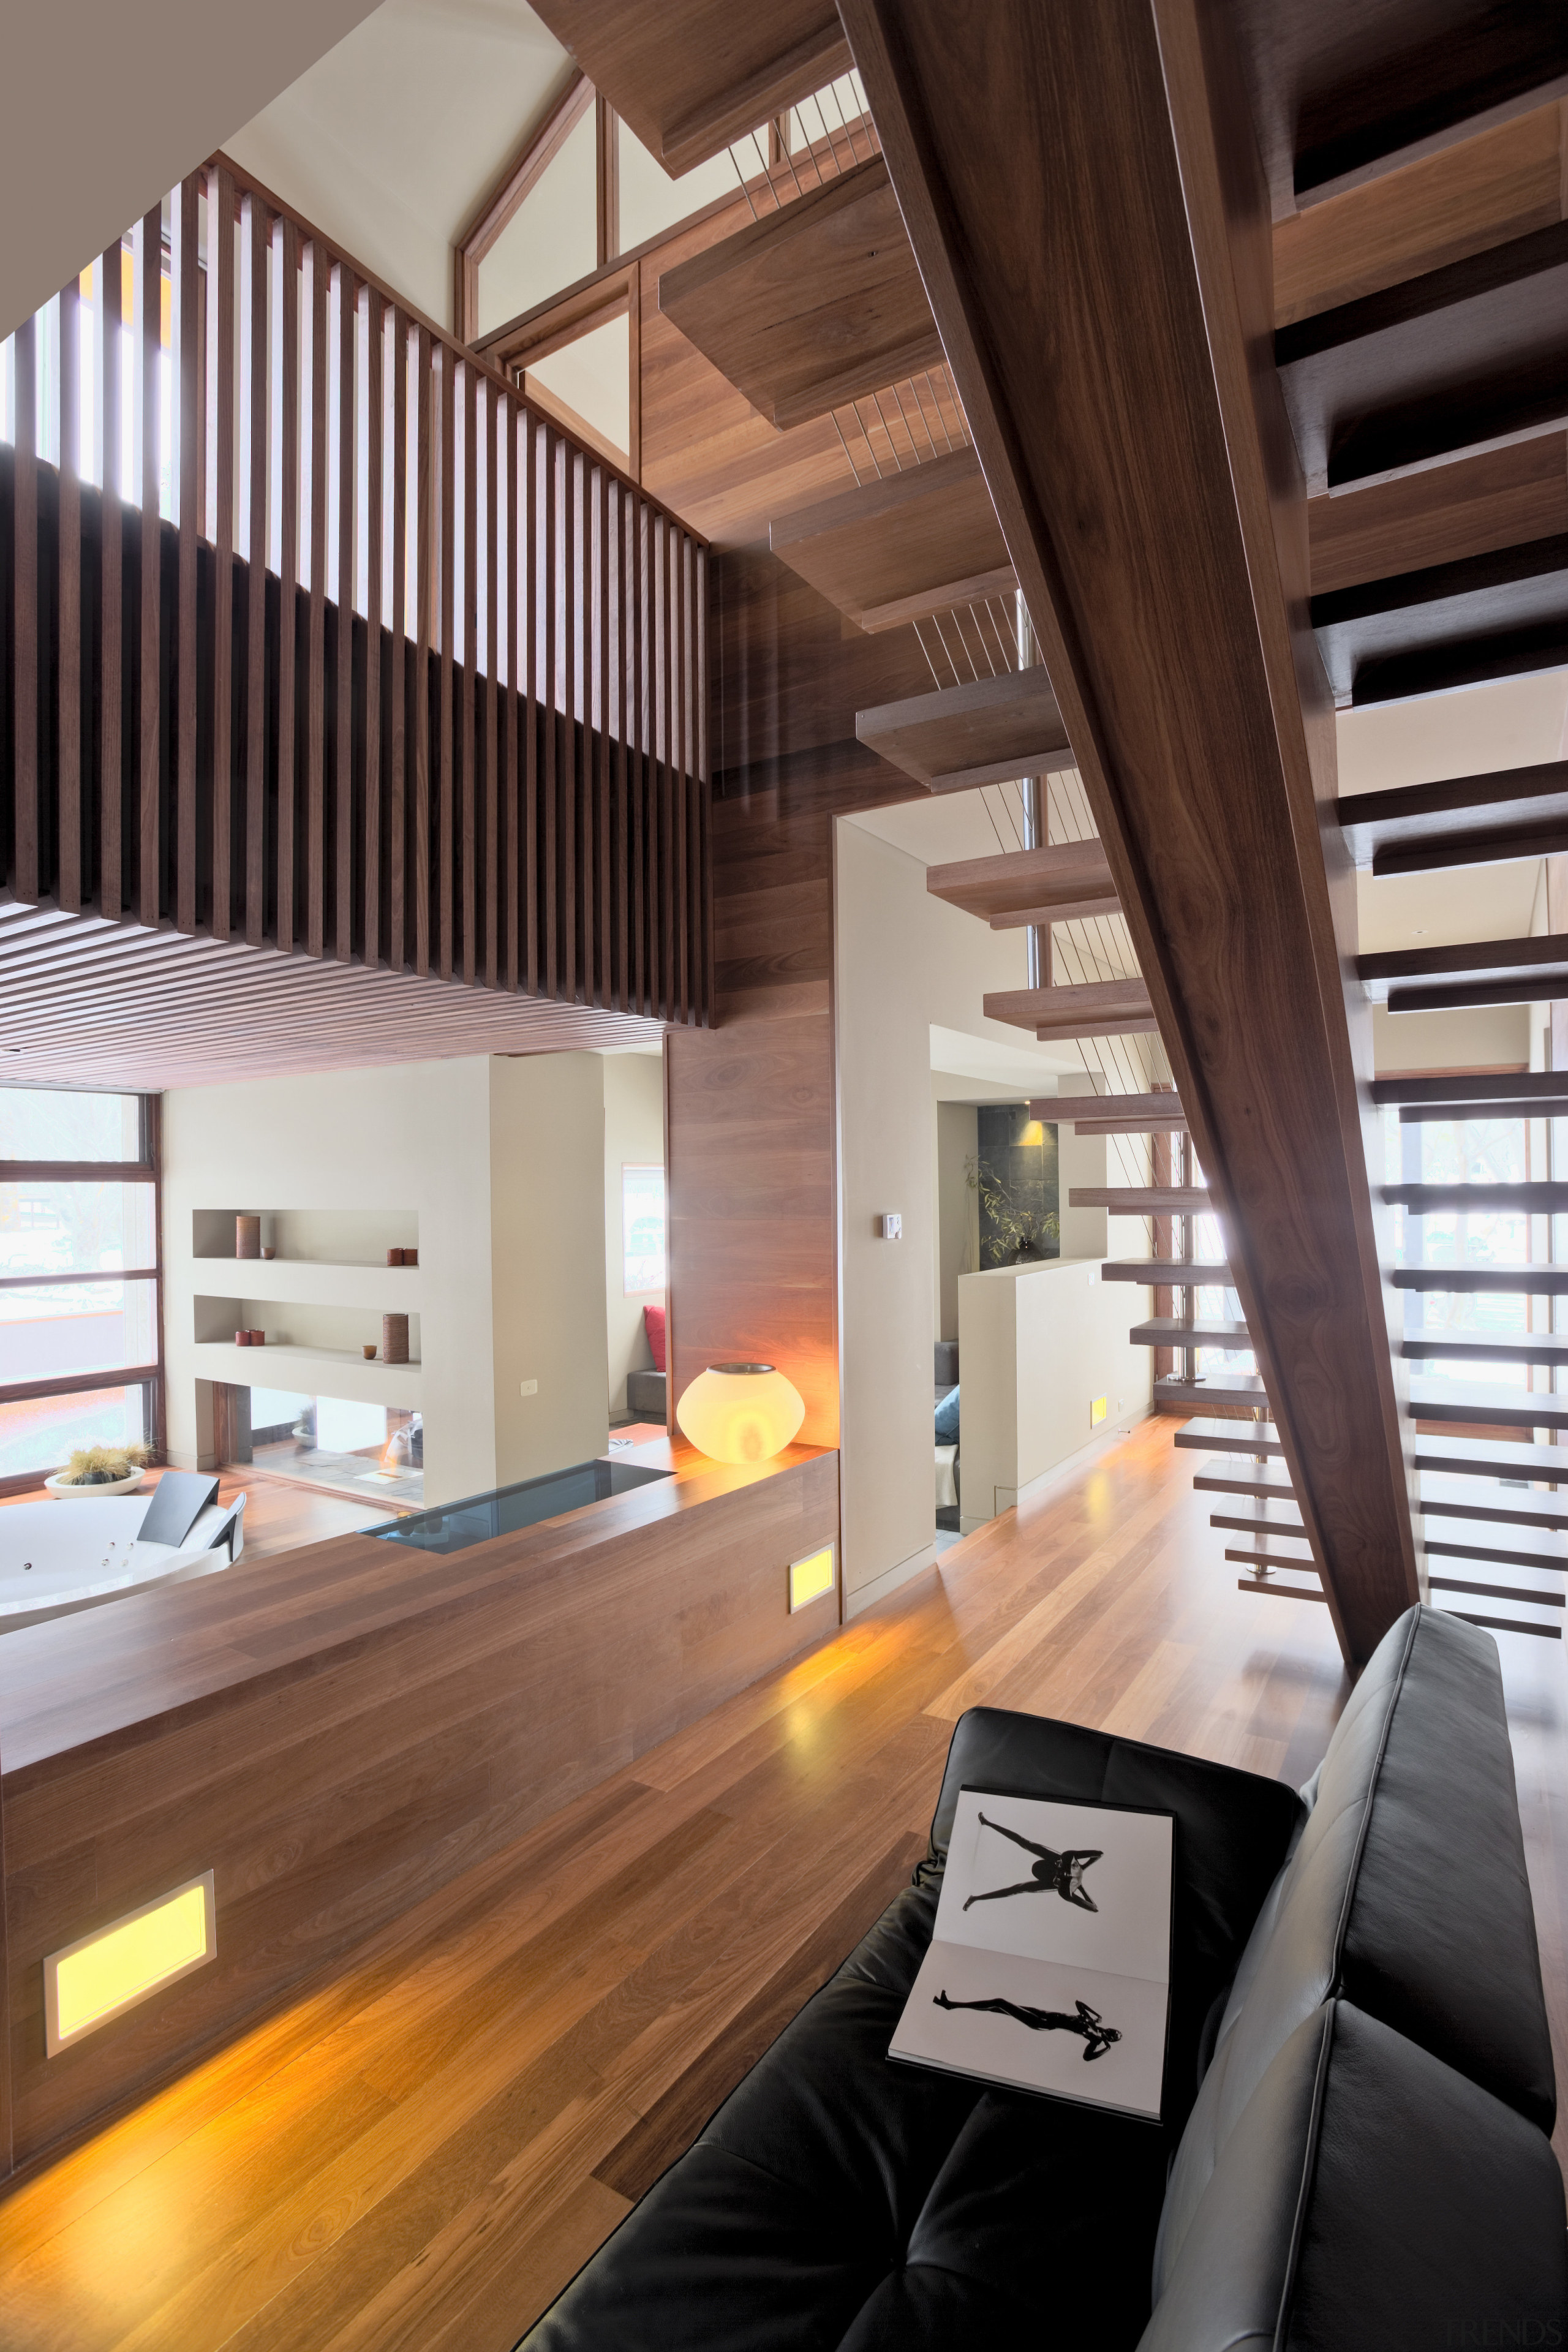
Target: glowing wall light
740, 1413
810, 1579
96, 1979
1098, 1408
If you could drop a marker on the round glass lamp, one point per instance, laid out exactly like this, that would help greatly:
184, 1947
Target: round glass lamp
740, 1413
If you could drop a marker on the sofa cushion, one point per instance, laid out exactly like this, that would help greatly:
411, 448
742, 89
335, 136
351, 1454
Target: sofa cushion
1369, 2196
1408, 1893
922, 2210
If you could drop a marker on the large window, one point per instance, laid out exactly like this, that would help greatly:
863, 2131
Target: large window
81, 1357
1462, 1151
642, 1231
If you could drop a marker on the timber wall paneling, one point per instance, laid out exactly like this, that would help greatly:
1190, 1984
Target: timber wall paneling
346, 1727
439, 756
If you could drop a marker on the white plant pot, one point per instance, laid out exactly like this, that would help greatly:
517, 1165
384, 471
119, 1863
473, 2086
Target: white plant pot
64, 1491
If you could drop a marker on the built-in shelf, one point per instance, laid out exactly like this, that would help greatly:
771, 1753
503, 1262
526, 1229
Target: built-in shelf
312, 1282
310, 1372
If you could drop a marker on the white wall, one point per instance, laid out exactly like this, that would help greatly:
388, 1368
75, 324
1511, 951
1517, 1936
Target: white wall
547, 1245
497, 1164
634, 1136
414, 1140
905, 964
392, 140
1037, 1345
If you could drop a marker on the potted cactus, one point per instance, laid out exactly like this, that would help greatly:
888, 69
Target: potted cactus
96, 1470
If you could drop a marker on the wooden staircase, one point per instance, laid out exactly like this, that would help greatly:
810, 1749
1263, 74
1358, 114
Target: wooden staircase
1340, 180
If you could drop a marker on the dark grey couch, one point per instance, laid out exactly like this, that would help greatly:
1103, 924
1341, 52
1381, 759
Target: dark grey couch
646, 1395
1359, 2095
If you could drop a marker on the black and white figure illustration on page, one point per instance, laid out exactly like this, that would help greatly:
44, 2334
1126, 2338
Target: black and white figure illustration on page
1098, 2037
1053, 1874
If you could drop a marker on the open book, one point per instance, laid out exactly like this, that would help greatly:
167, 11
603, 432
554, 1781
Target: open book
1050, 1967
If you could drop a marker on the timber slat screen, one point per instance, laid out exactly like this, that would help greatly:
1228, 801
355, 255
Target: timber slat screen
495, 773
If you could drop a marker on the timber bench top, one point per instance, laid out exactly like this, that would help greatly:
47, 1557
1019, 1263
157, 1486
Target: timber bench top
112, 1675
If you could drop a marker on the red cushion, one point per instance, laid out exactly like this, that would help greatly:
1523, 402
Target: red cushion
653, 1324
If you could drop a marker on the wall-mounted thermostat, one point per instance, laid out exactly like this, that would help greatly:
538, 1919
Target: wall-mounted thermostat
892, 1226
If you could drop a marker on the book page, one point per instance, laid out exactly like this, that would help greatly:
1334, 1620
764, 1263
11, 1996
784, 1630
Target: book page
1085, 1884
1075, 2033
1049, 1966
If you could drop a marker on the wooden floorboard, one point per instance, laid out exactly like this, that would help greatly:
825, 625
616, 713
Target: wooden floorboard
418, 2154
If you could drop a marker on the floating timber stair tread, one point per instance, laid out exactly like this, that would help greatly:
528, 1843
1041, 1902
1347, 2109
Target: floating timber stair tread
1488, 1458
1493, 1556
1219, 1388
1529, 1347
897, 549
1535, 1281
1142, 1200
1231, 1436
1500, 498
1508, 1625
1271, 1585
1499, 615
1262, 1559
1155, 1114
1463, 1089
1165, 1125
1478, 971
1495, 1591
1222, 1478
812, 305
1167, 1272
1554, 1106
1055, 885
1524, 1550
692, 75
988, 732
1170, 1331
1470, 351
1096, 1008
1539, 1199
1463, 821
1441, 1498
1490, 1404
1252, 1524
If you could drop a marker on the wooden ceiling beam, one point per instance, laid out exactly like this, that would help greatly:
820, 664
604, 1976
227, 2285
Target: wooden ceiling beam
1082, 192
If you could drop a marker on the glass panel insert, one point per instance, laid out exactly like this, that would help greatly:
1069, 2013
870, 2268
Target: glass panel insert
50, 1330
39, 1433
37, 1124
51, 1228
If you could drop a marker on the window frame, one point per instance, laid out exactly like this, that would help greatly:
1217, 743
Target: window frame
146, 1169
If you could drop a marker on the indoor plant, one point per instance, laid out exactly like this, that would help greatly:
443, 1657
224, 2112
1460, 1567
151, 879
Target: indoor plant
96, 1470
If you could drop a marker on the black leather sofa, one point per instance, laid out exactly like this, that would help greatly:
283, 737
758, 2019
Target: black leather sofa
1360, 2088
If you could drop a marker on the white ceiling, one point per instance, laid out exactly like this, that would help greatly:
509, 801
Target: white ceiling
106, 104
